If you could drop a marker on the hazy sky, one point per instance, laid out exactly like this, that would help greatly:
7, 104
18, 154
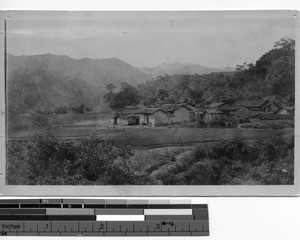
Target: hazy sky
214, 39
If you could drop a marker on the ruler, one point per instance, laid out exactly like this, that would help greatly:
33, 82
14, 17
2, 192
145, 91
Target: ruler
102, 217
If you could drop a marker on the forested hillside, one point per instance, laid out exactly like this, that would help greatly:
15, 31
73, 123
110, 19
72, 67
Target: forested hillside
272, 77
45, 82
40, 91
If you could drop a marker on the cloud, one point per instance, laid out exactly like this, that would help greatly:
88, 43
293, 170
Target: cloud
25, 32
60, 33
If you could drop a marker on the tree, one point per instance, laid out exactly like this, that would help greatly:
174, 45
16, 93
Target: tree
185, 82
96, 159
61, 110
219, 95
241, 68
196, 95
109, 96
127, 96
110, 87
81, 109
273, 73
286, 44
48, 160
162, 94
124, 85
280, 78
150, 101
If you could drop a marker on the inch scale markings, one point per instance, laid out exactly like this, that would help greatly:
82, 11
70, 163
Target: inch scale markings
99, 217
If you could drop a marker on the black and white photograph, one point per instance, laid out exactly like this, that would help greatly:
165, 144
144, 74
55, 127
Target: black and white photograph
150, 97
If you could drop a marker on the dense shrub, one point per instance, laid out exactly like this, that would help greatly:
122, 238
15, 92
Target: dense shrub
17, 170
61, 110
47, 160
268, 161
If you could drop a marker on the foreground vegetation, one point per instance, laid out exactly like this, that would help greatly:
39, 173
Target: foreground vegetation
49, 161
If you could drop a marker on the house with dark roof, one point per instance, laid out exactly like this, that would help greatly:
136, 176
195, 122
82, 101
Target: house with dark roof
255, 104
229, 110
211, 115
285, 110
180, 111
141, 116
161, 114
240, 110
271, 119
243, 112
216, 111
271, 107
246, 109
216, 104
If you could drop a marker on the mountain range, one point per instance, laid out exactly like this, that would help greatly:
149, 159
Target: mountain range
181, 68
47, 81
98, 72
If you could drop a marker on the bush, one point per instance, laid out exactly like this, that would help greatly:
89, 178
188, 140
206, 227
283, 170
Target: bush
268, 161
17, 164
60, 110
47, 160
201, 173
96, 159
51, 161
224, 122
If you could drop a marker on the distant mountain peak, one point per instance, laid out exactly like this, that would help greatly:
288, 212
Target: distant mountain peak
229, 69
98, 72
181, 68
47, 81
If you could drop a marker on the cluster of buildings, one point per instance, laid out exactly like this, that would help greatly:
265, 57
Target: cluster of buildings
165, 114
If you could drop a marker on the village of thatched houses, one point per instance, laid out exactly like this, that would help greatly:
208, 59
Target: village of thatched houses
160, 115
263, 111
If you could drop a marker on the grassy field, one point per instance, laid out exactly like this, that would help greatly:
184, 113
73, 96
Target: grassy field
28, 122
157, 137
